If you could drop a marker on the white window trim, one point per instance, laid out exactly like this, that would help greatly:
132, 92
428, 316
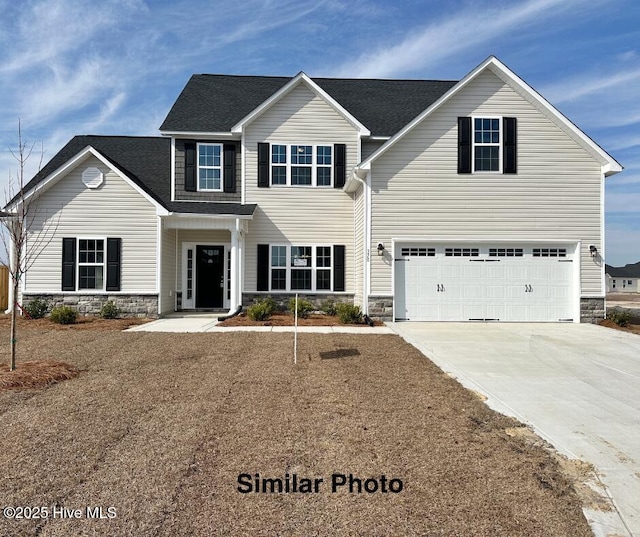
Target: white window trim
103, 264
221, 146
314, 165
499, 144
314, 268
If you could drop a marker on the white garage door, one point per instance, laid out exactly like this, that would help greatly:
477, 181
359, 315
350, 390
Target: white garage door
452, 282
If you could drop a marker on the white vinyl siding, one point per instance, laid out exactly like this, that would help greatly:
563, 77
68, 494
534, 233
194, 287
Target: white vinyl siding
298, 215
359, 240
555, 195
115, 209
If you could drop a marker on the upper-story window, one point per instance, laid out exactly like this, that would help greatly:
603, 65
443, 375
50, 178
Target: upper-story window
301, 165
486, 144
210, 167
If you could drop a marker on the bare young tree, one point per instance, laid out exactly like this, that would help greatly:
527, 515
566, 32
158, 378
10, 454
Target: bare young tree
23, 241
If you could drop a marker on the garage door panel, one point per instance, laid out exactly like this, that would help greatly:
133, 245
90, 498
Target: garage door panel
500, 285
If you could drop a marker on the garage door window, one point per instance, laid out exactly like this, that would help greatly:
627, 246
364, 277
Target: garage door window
418, 252
549, 252
505, 252
461, 252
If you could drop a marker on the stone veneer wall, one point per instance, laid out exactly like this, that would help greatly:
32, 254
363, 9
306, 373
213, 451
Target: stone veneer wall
129, 305
381, 308
592, 310
282, 299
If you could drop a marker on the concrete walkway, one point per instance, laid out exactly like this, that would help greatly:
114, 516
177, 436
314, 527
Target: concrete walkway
577, 385
207, 322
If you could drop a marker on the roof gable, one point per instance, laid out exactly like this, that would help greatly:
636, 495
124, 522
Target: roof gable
300, 78
631, 270
609, 165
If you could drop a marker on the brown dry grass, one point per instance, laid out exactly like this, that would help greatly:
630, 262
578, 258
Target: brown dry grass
160, 425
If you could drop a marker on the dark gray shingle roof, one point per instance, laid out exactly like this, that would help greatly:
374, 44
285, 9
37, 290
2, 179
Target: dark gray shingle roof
146, 161
632, 270
214, 103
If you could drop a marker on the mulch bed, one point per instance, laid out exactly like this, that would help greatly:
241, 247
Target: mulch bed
287, 319
35, 374
159, 427
87, 322
633, 326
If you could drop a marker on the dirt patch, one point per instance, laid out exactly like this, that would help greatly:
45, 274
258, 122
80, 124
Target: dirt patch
287, 319
160, 426
36, 374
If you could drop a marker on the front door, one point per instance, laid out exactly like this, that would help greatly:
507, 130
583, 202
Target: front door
209, 276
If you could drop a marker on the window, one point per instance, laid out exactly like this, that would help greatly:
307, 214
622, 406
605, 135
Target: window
209, 166
301, 165
629, 282
486, 144
91, 264
301, 268
419, 252
461, 252
549, 252
505, 252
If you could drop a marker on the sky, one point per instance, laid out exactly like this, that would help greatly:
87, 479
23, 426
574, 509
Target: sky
116, 66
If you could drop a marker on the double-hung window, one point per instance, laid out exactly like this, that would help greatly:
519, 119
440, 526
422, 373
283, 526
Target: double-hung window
210, 167
301, 165
91, 260
301, 268
486, 144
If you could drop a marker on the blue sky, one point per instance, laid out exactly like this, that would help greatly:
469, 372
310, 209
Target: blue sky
115, 66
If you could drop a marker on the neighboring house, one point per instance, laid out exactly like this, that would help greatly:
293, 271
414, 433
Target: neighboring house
623, 279
417, 200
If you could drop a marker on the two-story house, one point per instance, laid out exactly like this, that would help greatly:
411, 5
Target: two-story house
415, 199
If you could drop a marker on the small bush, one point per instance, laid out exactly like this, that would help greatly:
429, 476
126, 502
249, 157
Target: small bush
262, 309
349, 314
37, 309
618, 316
329, 307
304, 307
64, 315
109, 310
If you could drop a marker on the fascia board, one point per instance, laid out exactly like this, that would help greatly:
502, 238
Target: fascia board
301, 77
201, 135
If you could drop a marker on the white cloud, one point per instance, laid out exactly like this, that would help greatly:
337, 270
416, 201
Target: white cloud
447, 37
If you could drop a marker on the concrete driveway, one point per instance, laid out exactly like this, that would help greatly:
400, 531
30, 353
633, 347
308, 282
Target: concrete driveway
577, 385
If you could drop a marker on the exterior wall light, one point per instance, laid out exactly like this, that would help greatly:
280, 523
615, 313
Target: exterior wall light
593, 250
380, 248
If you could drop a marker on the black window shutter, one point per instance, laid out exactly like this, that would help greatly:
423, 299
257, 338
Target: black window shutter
464, 145
338, 267
510, 145
113, 264
190, 166
69, 264
339, 165
263, 165
229, 168
263, 267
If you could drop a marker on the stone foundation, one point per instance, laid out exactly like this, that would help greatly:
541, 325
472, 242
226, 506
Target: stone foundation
381, 308
592, 310
282, 299
129, 305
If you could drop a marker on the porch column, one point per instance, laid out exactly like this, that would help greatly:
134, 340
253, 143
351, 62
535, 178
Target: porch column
235, 276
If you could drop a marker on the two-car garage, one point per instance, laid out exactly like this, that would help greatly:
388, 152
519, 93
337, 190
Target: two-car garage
467, 282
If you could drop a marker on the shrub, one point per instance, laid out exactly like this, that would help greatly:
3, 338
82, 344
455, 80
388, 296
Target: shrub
304, 307
262, 309
329, 307
349, 314
619, 316
37, 309
64, 315
109, 310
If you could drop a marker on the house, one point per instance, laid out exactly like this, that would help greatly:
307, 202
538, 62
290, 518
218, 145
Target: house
415, 199
623, 279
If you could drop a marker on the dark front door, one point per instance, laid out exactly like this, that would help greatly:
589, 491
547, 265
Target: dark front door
209, 276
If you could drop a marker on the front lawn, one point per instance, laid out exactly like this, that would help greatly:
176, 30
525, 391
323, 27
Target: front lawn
159, 427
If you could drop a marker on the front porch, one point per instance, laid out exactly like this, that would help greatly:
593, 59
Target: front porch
202, 263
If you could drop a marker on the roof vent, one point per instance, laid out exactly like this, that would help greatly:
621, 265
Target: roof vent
92, 177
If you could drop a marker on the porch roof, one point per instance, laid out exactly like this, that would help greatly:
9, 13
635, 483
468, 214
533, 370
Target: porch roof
211, 208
